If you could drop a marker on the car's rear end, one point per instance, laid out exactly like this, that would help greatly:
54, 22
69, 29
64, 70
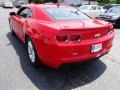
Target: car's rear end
83, 44
77, 39
75, 45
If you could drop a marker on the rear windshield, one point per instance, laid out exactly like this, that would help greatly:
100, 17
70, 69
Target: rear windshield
66, 14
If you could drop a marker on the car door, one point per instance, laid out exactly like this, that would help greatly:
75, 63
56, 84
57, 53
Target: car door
21, 21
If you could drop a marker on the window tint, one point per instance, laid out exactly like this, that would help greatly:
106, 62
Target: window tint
30, 14
66, 14
98, 8
93, 8
23, 12
108, 6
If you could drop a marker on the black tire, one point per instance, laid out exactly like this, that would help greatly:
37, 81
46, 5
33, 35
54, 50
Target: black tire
33, 59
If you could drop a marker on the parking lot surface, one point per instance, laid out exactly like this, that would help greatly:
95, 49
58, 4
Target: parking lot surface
16, 73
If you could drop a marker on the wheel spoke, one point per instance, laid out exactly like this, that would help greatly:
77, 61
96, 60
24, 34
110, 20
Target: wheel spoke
31, 52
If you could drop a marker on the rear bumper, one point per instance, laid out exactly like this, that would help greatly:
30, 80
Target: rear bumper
58, 54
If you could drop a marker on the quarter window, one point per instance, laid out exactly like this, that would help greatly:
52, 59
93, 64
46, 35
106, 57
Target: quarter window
30, 14
25, 12
98, 8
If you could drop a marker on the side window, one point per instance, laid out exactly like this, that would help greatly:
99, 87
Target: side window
93, 8
23, 12
98, 8
30, 14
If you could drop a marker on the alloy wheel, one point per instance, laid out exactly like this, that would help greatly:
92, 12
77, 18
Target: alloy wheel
31, 52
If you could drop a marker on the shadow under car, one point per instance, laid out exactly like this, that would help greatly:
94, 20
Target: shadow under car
65, 78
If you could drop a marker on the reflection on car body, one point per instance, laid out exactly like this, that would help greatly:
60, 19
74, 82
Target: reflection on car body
55, 35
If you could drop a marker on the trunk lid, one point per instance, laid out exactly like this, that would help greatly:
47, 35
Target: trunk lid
87, 29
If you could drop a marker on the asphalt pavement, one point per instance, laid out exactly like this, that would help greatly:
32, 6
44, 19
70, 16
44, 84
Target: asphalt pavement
16, 73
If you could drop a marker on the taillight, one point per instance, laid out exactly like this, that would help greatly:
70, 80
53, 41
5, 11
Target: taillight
75, 38
63, 38
68, 38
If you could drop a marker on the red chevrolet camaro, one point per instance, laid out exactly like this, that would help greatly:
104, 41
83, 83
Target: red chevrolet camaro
56, 35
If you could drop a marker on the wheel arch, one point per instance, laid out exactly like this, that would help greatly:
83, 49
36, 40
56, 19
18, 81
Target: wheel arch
27, 34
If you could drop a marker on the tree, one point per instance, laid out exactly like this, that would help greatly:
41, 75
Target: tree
35, 1
103, 1
118, 1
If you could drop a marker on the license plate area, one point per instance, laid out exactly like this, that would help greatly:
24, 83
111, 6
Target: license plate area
96, 48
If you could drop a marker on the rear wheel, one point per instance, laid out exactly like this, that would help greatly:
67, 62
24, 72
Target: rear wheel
32, 52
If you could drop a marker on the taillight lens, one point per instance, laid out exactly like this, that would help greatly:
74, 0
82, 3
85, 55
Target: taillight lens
62, 38
75, 37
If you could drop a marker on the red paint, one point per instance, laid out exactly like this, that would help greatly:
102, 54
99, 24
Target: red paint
49, 36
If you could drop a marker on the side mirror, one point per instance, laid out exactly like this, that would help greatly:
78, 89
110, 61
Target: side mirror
12, 13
